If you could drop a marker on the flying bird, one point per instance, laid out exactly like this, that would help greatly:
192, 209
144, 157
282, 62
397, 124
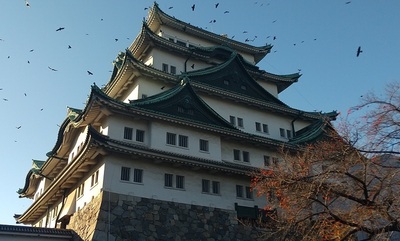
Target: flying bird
5, 99
359, 51
59, 29
216, 5
116, 40
348, 2
69, 46
31, 50
193, 6
27, 4
51, 68
226, 12
89, 73
18, 127
170, 7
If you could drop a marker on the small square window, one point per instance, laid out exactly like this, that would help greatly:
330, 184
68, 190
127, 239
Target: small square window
203, 145
205, 186
94, 178
236, 155
183, 141
267, 161
258, 126
232, 120
128, 133
275, 160
138, 175
180, 182
282, 132
265, 128
240, 122
140, 135
168, 180
239, 191
125, 173
165, 67
173, 69
246, 156
215, 187
171, 138
288, 134
249, 193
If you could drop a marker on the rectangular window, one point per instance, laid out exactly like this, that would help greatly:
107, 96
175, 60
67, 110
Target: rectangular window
232, 120
138, 175
267, 161
249, 193
168, 180
81, 190
180, 182
128, 133
94, 178
165, 67
258, 126
240, 122
125, 173
275, 160
265, 128
282, 132
246, 156
239, 191
205, 185
173, 69
215, 187
288, 134
181, 43
203, 145
171, 138
183, 141
140, 135
236, 155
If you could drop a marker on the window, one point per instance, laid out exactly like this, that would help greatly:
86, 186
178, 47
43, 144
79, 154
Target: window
125, 173
282, 132
183, 141
246, 156
81, 190
288, 134
94, 178
232, 120
165, 67
168, 180
181, 43
265, 128
180, 182
240, 122
128, 133
239, 191
171, 138
173, 69
144, 96
205, 185
55, 212
215, 187
181, 109
258, 126
267, 161
138, 175
236, 155
203, 145
140, 135
249, 193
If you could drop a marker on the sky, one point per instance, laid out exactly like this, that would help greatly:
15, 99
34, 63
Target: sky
44, 71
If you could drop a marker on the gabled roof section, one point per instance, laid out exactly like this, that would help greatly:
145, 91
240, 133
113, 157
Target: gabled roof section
182, 101
232, 76
32, 178
157, 17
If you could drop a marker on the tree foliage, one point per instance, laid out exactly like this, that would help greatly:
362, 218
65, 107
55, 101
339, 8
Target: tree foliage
341, 185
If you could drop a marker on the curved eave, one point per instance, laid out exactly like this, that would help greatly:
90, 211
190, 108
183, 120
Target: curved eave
72, 173
29, 188
282, 81
157, 17
312, 132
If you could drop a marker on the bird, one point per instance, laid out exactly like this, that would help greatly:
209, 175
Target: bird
29, 62
216, 5
226, 12
193, 7
59, 29
116, 40
359, 51
25, 94
274, 38
170, 7
31, 50
348, 2
5, 99
89, 73
27, 4
69, 46
18, 127
51, 68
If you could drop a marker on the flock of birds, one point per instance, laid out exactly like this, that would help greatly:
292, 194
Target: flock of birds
193, 8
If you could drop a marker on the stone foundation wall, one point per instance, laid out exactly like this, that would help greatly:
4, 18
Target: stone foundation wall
116, 217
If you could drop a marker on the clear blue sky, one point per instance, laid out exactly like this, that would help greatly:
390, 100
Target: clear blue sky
320, 37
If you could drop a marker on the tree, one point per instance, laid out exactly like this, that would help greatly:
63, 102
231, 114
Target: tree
343, 185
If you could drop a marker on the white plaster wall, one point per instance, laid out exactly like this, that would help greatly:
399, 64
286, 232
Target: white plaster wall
90, 192
270, 87
116, 125
153, 184
77, 144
